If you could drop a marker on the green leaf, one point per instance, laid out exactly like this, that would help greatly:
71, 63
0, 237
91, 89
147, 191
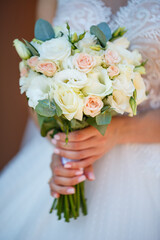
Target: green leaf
43, 30
31, 48
100, 128
94, 30
45, 108
58, 109
105, 29
47, 124
103, 118
105, 108
119, 32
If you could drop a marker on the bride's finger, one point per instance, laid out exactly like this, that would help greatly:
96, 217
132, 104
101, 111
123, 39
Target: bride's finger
54, 194
91, 142
76, 155
68, 181
83, 163
61, 189
88, 172
79, 135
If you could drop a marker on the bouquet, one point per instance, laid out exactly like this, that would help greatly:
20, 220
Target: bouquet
76, 80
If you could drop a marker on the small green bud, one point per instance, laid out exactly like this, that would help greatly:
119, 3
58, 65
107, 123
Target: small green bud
95, 47
68, 27
37, 41
21, 49
104, 65
74, 38
133, 105
140, 69
135, 94
81, 36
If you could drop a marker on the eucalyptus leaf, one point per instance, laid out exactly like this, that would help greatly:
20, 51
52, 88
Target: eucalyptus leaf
45, 108
95, 30
58, 109
47, 124
105, 108
100, 128
103, 118
105, 29
31, 48
43, 30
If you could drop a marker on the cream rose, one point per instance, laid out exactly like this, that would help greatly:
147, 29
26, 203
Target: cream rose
119, 102
113, 71
140, 87
32, 62
46, 67
99, 83
92, 105
111, 57
71, 77
69, 100
55, 49
123, 42
84, 62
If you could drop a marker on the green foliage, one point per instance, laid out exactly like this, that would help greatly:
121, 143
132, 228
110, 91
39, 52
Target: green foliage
119, 32
100, 128
103, 118
45, 108
31, 48
95, 30
43, 30
58, 109
103, 26
133, 105
77, 125
47, 124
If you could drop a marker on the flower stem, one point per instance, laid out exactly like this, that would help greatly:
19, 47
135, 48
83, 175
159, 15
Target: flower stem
53, 205
72, 206
66, 208
83, 200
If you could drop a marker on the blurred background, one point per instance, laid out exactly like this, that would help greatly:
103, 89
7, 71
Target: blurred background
17, 21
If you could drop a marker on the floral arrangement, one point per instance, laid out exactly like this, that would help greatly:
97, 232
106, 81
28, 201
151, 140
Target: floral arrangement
73, 81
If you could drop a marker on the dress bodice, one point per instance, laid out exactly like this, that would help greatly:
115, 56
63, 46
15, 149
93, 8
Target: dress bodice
142, 21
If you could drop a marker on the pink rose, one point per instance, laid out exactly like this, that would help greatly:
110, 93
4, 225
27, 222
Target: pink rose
32, 62
112, 71
24, 71
92, 105
84, 62
48, 68
112, 57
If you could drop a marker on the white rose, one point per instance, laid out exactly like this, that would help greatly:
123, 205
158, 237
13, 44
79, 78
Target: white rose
123, 42
38, 90
84, 44
71, 77
25, 82
140, 87
130, 57
119, 102
69, 100
55, 49
99, 83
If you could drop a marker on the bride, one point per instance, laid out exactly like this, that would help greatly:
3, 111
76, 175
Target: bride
124, 199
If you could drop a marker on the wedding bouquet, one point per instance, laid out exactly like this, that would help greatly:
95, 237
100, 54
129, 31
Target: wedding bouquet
76, 80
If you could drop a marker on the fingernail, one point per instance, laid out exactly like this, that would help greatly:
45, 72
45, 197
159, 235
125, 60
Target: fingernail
56, 150
57, 137
81, 178
54, 141
67, 165
55, 195
91, 176
79, 172
70, 190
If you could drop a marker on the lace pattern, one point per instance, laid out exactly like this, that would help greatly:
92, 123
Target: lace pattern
142, 20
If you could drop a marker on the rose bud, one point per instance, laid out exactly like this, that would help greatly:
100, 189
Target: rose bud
21, 49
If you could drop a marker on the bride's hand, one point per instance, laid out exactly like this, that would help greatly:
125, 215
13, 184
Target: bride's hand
63, 180
86, 145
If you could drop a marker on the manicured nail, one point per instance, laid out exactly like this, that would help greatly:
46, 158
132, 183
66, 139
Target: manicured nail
81, 178
54, 141
91, 176
80, 172
57, 137
55, 195
56, 150
70, 190
67, 165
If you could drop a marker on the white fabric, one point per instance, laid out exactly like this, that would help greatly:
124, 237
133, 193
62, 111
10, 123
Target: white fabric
124, 200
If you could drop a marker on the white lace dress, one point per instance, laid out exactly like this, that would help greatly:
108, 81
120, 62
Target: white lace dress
124, 200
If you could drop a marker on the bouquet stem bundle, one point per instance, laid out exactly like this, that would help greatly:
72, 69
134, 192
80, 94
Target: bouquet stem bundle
69, 205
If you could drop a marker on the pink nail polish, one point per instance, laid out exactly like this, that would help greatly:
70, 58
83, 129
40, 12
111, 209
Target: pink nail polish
79, 172
91, 176
54, 141
67, 165
55, 195
81, 178
56, 150
57, 137
70, 190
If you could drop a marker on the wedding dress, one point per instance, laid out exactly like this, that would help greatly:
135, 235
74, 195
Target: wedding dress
124, 200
